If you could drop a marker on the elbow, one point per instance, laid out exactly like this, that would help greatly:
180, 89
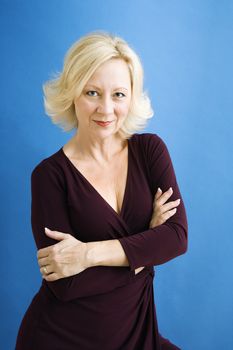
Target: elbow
183, 247
180, 239
183, 241
180, 249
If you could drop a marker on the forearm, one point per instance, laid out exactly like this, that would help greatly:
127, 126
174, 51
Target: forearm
106, 253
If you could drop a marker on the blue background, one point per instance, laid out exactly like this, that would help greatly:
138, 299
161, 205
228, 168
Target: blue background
187, 51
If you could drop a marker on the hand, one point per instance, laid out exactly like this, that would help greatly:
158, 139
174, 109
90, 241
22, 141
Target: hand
63, 259
162, 212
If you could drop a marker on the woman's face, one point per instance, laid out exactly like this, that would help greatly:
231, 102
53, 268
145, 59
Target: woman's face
105, 100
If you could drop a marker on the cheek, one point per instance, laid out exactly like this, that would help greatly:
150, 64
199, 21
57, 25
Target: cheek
84, 107
89, 105
123, 110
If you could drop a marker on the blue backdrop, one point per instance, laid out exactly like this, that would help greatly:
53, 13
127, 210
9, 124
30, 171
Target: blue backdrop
187, 52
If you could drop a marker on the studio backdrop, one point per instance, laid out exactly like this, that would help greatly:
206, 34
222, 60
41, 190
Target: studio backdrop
187, 53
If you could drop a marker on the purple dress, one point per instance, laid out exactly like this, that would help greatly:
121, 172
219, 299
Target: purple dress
103, 307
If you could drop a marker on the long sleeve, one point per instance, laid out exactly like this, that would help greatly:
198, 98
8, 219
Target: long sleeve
157, 245
49, 209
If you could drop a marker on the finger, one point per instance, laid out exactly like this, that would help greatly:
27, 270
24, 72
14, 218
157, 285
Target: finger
48, 270
164, 197
136, 271
51, 277
44, 252
170, 205
43, 261
168, 214
158, 193
55, 234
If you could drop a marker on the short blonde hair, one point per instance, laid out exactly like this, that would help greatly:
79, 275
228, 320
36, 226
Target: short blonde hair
81, 61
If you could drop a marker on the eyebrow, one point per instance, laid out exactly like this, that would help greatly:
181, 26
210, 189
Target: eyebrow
96, 87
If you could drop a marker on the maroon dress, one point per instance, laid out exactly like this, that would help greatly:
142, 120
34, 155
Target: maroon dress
103, 307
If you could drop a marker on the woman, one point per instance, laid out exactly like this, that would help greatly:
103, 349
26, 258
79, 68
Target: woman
103, 198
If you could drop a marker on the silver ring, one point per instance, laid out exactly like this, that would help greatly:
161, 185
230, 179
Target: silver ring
45, 270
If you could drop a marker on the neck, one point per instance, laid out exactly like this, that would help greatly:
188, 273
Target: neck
101, 150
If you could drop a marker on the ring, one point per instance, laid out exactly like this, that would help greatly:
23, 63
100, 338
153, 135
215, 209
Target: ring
45, 270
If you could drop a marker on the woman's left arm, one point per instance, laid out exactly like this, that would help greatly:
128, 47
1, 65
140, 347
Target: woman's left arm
159, 244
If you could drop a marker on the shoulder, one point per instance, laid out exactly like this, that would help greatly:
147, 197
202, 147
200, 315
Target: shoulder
49, 167
149, 142
147, 137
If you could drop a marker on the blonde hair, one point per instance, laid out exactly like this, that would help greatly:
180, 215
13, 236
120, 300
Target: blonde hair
81, 61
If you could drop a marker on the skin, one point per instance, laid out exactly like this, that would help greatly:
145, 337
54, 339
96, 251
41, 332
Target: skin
106, 97
109, 102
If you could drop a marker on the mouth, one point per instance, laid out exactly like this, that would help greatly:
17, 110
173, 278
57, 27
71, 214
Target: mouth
103, 123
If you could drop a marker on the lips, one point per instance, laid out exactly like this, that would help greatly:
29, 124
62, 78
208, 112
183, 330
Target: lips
103, 123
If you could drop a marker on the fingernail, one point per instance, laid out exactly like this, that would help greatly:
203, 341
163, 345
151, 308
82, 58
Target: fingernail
159, 189
178, 200
170, 189
47, 229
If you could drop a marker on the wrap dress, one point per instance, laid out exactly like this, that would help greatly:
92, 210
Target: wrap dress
103, 307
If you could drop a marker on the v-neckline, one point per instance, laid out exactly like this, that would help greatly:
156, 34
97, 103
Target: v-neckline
95, 190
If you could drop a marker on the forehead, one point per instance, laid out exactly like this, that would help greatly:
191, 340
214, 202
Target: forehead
114, 72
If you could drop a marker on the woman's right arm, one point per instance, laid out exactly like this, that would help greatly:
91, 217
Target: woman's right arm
49, 209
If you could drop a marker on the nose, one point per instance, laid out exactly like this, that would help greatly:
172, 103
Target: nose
105, 105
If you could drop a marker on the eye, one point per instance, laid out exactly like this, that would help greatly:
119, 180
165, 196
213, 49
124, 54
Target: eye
119, 94
92, 93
